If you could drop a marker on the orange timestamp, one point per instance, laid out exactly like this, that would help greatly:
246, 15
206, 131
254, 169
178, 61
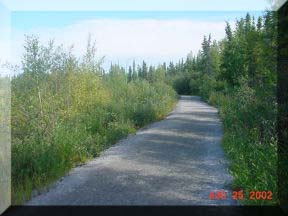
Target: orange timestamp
253, 195
218, 195
240, 195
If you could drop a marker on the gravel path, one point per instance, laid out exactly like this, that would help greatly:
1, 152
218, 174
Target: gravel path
176, 161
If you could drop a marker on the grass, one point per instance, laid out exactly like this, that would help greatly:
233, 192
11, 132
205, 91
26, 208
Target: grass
65, 111
249, 118
65, 116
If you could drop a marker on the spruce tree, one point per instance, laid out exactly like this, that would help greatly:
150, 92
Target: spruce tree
130, 74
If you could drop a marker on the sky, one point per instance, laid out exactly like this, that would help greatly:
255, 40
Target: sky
123, 36
137, 5
5, 27
154, 31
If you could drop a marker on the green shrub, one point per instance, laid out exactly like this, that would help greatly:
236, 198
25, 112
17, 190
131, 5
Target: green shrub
66, 115
249, 118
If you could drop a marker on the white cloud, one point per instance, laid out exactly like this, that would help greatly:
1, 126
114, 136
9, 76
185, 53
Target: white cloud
125, 39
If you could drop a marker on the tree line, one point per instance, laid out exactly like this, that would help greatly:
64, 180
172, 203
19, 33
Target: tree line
66, 110
238, 74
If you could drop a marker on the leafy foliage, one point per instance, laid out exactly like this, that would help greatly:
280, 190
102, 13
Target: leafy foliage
238, 75
66, 110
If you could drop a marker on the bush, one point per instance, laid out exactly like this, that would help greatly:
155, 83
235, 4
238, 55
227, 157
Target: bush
249, 118
181, 84
207, 85
67, 113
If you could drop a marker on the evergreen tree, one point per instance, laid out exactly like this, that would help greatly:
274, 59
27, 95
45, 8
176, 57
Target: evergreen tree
134, 72
171, 69
140, 72
130, 74
144, 70
151, 73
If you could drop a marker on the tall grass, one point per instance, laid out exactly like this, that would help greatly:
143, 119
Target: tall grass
66, 111
250, 140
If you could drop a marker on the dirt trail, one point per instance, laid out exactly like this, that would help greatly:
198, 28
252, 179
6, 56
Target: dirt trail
176, 161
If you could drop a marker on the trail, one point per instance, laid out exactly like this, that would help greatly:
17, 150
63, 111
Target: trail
176, 161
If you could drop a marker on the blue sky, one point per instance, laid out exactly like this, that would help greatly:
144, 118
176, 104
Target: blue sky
125, 30
137, 5
30, 19
5, 26
123, 36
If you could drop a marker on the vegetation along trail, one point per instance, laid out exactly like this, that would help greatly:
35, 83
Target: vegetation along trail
67, 110
175, 161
